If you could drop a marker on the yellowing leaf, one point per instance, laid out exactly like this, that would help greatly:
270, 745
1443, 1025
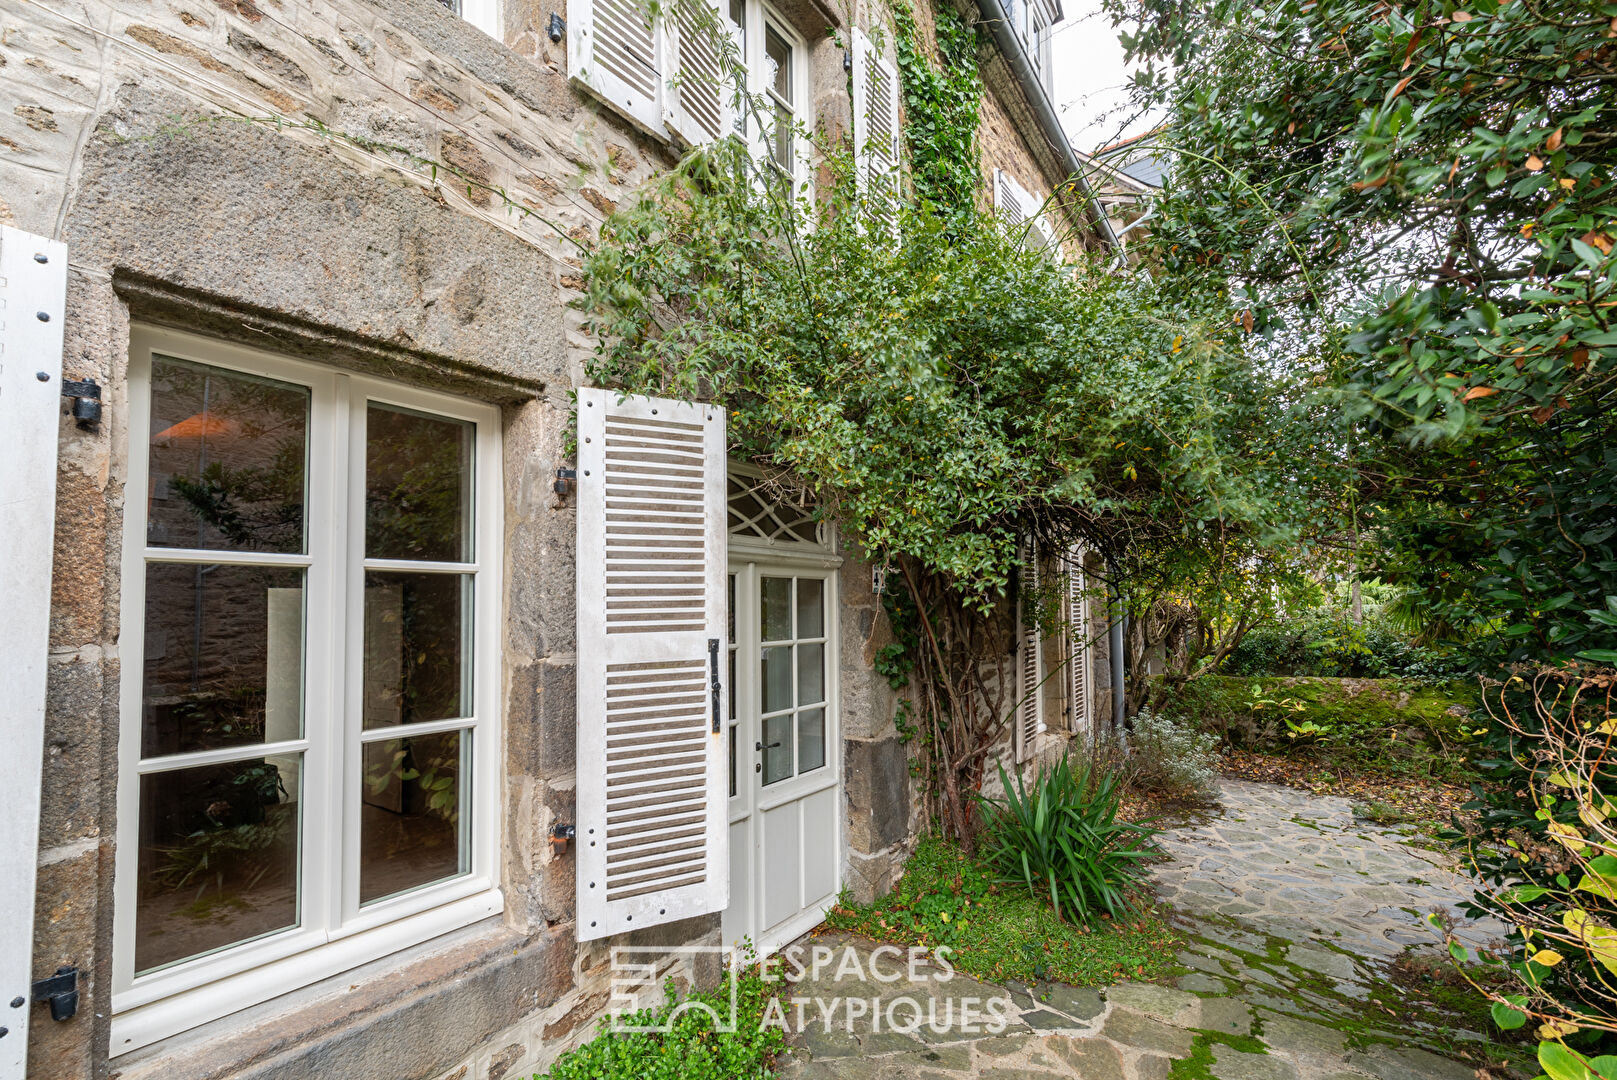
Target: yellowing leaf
1547, 957
1461, 16
1534, 163
1479, 391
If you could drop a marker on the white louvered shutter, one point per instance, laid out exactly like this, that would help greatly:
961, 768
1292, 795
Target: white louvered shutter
875, 126
612, 50
1017, 206
33, 289
652, 762
699, 101
1079, 656
1029, 664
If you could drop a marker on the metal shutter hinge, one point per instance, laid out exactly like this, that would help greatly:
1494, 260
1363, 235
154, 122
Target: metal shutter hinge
86, 395
61, 991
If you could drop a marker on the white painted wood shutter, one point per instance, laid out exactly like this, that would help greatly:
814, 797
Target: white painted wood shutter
1079, 656
699, 103
875, 126
652, 761
613, 51
1017, 206
33, 302
1029, 719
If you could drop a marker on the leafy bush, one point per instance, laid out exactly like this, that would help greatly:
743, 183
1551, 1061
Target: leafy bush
1328, 644
691, 1049
1172, 757
1062, 839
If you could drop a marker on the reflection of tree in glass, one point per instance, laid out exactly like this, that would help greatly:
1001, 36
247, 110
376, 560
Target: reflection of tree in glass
416, 474
233, 447
433, 775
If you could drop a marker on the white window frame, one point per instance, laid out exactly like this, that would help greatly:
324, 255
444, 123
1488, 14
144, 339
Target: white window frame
760, 15
485, 15
333, 932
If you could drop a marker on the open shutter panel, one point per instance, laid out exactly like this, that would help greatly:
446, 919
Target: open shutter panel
652, 762
700, 101
1078, 652
33, 289
875, 125
612, 51
1029, 669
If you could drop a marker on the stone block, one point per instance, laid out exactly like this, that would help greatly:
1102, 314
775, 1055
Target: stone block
1163, 1003
1146, 1033
1092, 1059
877, 788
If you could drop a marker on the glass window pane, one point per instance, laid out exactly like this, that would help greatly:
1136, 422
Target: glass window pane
218, 858
810, 608
810, 739
777, 63
412, 805
810, 674
227, 460
780, 139
777, 748
777, 679
418, 486
738, 12
417, 662
223, 661
775, 608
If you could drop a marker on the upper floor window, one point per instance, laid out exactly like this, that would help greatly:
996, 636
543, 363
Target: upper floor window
774, 56
307, 766
483, 14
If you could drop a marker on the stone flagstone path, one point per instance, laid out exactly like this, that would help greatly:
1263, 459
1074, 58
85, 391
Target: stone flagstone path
1293, 910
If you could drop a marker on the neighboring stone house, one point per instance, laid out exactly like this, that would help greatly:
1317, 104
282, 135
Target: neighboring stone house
334, 653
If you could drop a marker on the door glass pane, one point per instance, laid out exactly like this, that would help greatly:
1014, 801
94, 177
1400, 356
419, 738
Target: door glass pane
416, 662
777, 748
418, 486
223, 661
227, 460
810, 608
810, 674
777, 678
810, 739
410, 831
218, 858
775, 608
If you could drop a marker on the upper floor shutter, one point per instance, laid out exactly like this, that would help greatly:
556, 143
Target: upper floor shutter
612, 50
652, 760
1079, 656
33, 304
875, 126
1029, 719
700, 98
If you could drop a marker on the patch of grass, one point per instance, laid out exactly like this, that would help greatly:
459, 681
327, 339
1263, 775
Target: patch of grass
691, 1049
1000, 932
1199, 1065
1378, 812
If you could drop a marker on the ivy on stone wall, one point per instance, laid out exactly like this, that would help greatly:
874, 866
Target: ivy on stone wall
941, 105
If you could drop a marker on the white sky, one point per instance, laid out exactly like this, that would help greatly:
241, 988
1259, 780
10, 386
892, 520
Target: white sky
1091, 94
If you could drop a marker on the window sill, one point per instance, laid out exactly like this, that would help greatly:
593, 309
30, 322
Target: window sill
157, 1020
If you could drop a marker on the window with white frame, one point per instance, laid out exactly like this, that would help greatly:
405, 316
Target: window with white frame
483, 14
310, 671
776, 60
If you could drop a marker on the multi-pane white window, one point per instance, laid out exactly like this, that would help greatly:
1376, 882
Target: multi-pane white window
775, 57
310, 661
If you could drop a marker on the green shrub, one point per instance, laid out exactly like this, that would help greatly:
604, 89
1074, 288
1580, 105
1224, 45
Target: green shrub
1062, 839
1172, 757
1327, 644
691, 1049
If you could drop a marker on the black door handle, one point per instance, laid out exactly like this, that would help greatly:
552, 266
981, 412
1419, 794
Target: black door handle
761, 746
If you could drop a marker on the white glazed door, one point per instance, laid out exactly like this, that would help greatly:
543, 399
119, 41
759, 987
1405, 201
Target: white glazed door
785, 763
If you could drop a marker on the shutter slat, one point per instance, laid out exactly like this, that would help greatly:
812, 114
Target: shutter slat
652, 774
612, 52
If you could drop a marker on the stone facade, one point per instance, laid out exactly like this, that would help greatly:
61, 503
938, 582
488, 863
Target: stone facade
321, 179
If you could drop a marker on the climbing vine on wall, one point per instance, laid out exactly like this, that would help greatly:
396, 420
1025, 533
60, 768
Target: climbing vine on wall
941, 105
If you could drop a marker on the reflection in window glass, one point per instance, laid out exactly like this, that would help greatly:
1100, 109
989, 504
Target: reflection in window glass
223, 662
777, 678
218, 857
775, 608
418, 483
411, 814
810, 608
810, 674
227, 460
777, 748
810, 739
417, 666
